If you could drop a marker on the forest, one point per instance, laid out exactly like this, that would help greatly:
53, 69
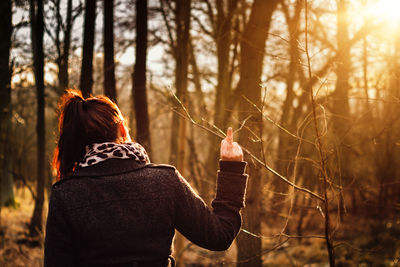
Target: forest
311, 89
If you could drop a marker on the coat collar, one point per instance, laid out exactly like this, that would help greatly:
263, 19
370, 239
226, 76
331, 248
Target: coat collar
108, 167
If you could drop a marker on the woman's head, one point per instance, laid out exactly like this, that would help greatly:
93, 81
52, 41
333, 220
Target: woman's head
83, 122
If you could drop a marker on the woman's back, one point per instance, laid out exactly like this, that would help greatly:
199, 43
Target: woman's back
111, 207
121, 211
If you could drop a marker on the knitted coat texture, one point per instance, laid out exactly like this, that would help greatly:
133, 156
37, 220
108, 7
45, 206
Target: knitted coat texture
123, 212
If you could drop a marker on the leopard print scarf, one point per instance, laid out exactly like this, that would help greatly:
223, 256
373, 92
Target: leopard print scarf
96, 153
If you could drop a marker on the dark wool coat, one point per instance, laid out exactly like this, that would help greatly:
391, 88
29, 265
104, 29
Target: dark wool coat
124, 213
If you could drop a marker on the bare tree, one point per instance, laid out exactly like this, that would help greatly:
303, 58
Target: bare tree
223, 36
252, 49
139, 93
37, 31
6, 181
109, 65
286, 145
178, 128
86, 80
63, 75
59, 30
340, 103
182, 21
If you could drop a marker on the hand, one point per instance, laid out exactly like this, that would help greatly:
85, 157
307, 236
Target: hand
230, 151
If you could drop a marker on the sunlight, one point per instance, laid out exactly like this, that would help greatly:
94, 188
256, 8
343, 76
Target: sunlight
386, 11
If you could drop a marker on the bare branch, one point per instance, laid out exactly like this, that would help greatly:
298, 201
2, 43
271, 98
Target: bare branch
328, 233
257, 160
169, 30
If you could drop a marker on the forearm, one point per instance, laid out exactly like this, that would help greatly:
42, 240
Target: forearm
231, 182
216, 228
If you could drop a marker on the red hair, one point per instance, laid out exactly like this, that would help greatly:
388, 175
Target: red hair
83, 122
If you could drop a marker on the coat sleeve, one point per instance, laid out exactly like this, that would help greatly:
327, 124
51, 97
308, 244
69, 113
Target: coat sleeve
59, 249
216, 228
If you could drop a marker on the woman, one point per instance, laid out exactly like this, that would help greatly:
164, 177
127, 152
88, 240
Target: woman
112, 207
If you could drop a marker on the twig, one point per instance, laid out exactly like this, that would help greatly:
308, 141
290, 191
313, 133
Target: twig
294, 181
320, 147
221, 135
281, 234
305, 190
283, 177
275, 123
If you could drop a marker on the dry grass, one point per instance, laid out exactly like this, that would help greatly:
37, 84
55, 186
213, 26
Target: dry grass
17, 248
361, 242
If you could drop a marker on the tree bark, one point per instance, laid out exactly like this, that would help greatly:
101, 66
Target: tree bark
286, 145
63, 75
86, 80
37, 31
223, 39
178, 130
139, 78
252, 54
182, 20
388, 154
341, 109
109, 65
6, 179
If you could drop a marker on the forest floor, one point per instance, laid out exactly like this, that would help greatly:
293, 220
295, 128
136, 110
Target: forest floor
16, 247
358, 242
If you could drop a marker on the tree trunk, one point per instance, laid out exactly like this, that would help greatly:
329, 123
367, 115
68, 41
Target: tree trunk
63, 75
57, 41
182, 20
341, 109
139, 78
109, 66
287, 145
387, 154
6, 179
178, 130
201, 104
86, 81
223, 39
37, 31
252, 54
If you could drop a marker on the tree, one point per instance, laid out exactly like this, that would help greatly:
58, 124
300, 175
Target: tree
59, 30
37, 31
386, 153
139, 93
252, 49
86, 80
288, 120
181, 53
223, 38
109, 66
340, 103
63, 76
178, 129
6, 179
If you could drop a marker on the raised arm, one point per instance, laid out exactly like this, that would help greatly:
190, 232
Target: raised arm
215, 228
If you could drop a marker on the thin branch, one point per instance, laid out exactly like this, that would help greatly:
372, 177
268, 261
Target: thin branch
277, 124
305, 190
320, 148
222, 135
202, 26
169, 30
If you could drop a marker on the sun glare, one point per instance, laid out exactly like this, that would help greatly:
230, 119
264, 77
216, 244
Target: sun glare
385, 11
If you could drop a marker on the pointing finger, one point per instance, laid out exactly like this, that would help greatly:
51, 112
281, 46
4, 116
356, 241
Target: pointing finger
229, 136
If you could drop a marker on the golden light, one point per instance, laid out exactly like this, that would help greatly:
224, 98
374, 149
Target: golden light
384, 11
